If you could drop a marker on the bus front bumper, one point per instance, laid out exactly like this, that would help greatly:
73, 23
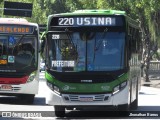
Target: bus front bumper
119, 98
27, 88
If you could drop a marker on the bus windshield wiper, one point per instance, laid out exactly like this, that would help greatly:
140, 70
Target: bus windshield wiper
19, 41
95, 45
101, 40
70, 38
68, 35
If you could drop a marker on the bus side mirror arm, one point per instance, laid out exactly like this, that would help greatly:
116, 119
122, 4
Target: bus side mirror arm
39, 47
42, 47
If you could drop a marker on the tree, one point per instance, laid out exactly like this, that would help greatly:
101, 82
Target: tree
148, 14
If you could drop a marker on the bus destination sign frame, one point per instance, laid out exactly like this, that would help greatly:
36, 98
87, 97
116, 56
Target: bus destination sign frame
81, 21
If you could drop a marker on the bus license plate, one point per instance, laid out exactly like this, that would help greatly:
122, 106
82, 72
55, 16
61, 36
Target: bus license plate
86, 99
6, 87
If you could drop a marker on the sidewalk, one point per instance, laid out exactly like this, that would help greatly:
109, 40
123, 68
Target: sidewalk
154, 82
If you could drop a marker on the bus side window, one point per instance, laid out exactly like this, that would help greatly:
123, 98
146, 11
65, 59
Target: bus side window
129, 37
1, 49
134, 42
133, 39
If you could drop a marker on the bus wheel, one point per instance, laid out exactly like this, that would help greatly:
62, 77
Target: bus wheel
124, 107
27, 99
59, 111
30, 99
134, 104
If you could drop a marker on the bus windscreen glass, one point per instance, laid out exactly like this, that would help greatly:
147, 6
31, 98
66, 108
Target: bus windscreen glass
94, 51
18, 52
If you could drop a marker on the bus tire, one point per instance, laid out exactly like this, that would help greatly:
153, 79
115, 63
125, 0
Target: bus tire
134, 104
124, 107
59, 111
30, 99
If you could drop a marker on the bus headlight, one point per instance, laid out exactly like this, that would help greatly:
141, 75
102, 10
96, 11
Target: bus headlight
123, 84
31, 77
116, 89
119, 87
53, 87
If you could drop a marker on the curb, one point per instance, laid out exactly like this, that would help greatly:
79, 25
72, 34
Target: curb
152, 83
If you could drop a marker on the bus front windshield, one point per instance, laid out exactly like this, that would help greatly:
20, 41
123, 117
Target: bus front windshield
89, 51
18, 53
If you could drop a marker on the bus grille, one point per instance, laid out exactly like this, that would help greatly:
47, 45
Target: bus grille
13, 89
86, 98
16, 88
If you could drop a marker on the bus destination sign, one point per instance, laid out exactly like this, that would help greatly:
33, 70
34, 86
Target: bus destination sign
87, 21
16, 29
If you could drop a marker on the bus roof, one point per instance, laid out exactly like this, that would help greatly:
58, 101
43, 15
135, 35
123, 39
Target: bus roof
16, 21
96, 12
93, 12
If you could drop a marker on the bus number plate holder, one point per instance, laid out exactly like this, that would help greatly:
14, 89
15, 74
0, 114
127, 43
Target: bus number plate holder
6, 87
85, 99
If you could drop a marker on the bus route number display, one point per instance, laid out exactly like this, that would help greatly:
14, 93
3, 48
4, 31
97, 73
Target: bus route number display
87, 21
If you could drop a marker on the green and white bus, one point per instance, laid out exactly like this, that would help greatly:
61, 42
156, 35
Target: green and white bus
92, 60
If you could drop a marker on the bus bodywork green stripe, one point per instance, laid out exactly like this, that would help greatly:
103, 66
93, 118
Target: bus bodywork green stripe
86, 87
